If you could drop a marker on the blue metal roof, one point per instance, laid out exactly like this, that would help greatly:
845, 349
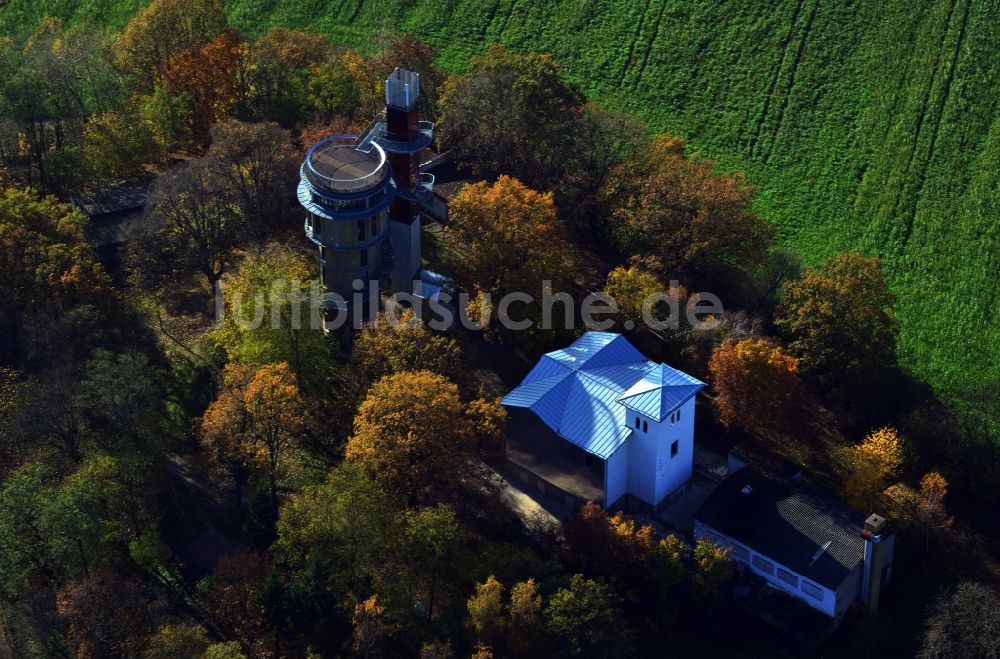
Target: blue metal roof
661, 391
582, 391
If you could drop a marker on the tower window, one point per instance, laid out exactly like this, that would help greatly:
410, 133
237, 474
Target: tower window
374, 222
364, 258
674, 448
645, 427
636, 422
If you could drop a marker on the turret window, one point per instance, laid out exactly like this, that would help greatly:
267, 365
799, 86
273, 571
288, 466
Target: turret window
645, 427
637, 422
674, 448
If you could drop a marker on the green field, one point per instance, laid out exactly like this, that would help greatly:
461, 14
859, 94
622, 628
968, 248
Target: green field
872, 125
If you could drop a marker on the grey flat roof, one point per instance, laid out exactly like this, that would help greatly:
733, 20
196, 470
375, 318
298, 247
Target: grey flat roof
808, 532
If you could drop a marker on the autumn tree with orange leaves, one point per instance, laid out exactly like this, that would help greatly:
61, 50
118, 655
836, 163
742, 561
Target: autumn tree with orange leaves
370, 629
256, 423
163, 29
922, 510
630, 288
870, 465
404, 343
695, 221
614, 546
513, 241
756, 384
512, 235
206, 76
51, 279
838, 319
414, 435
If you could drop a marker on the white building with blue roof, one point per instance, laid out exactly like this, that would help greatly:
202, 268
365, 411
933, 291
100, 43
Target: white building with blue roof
598, 421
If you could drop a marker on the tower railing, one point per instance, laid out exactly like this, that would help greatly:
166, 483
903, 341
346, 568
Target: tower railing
344, 185
425, 133
422, 190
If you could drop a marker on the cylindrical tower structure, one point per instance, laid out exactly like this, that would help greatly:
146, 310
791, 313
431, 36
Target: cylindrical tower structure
347, 186
404, 137
363, 196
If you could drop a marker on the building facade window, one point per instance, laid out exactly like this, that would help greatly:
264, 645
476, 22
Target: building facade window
361, 230
788, 578
740, 554
674, 448
637, 422
645, 427
763, 565
812, 590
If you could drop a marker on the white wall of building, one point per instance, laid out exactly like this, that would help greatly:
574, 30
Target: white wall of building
653, 470
616, 475
675, 470
818, 597
642, 456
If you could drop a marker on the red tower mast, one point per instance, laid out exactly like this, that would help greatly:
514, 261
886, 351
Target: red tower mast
403, 138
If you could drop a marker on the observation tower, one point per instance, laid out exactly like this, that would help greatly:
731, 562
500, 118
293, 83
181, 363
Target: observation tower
363, 194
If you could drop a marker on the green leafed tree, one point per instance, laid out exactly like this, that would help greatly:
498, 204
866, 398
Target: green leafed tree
199, 218
345, 525
271, 316
255, 163
587, 616
485, 609
512, 113
432, 555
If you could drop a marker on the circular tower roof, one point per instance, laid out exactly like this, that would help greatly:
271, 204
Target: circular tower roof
336, 165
